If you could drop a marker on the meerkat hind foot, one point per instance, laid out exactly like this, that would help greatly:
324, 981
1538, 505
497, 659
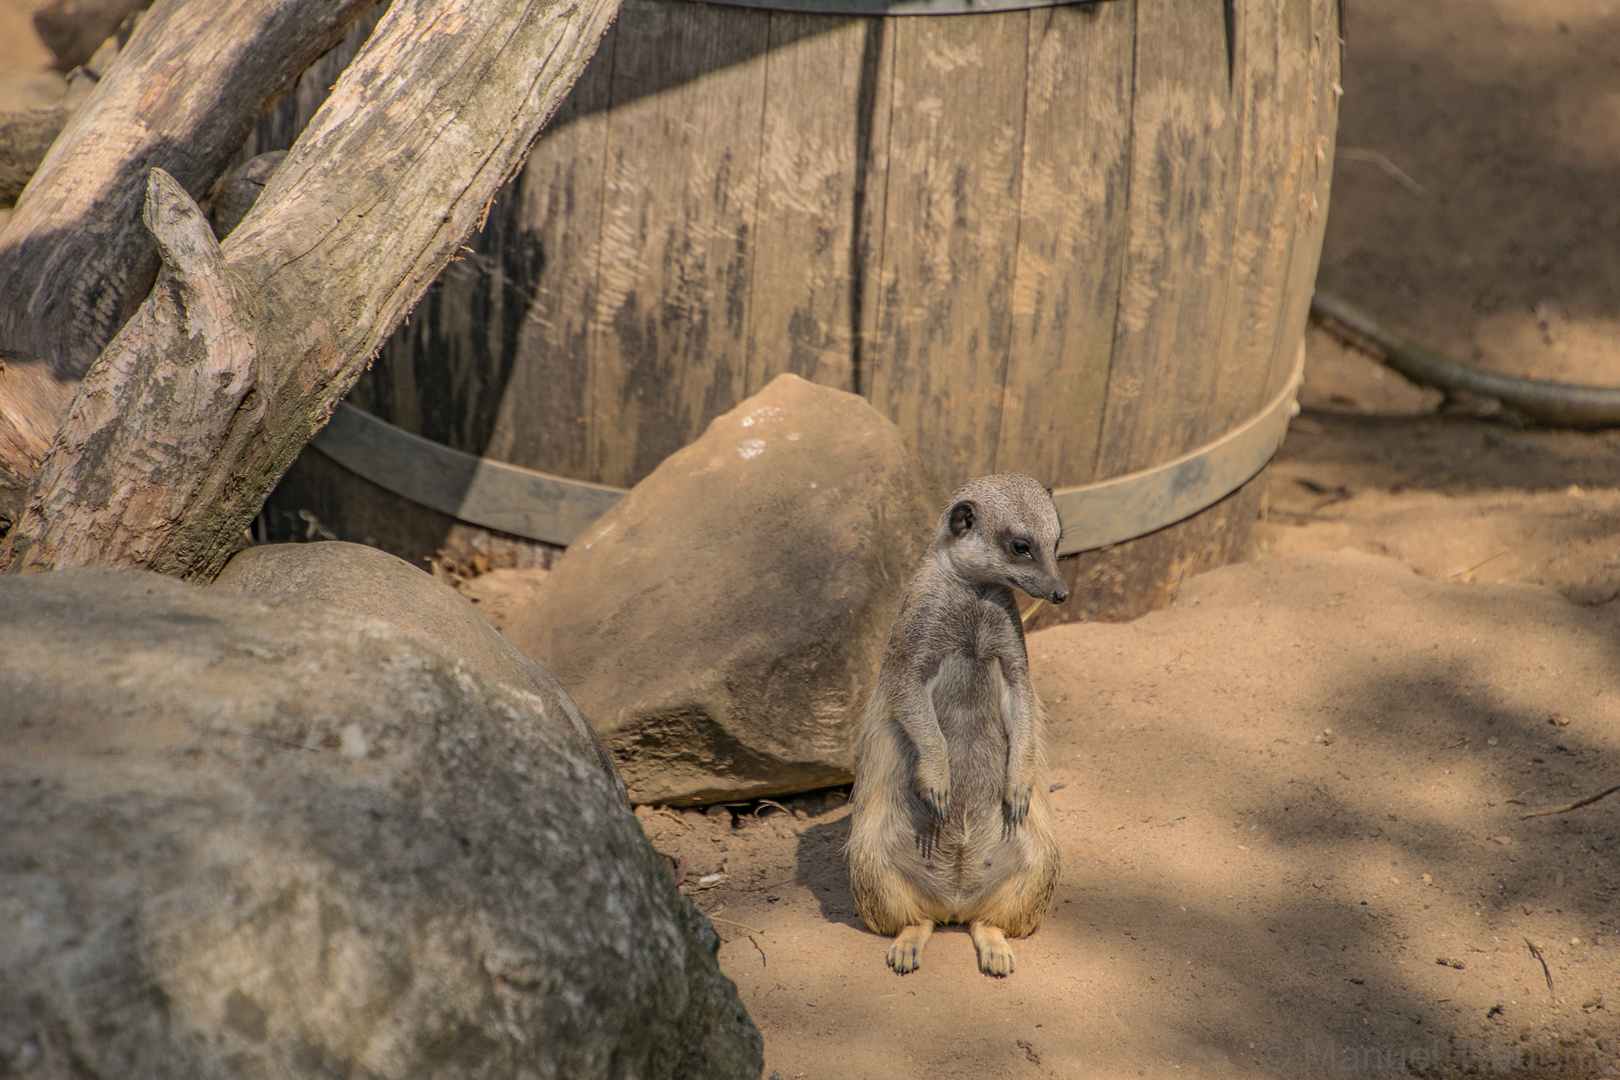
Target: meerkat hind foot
995, 955
905, 955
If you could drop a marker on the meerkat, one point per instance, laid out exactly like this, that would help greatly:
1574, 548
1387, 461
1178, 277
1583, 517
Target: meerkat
951, 818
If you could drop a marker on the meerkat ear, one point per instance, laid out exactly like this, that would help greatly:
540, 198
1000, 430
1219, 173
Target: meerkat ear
962, 517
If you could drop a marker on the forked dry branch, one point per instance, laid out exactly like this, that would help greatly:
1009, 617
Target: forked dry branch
240, 354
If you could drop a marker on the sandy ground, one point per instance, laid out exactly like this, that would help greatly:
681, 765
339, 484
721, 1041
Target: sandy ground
1290, 810
1292, 806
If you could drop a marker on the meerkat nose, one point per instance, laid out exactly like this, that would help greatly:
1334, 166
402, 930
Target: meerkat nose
1060, 595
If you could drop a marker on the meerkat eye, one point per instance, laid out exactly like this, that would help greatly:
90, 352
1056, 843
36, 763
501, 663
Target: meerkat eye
1019, 548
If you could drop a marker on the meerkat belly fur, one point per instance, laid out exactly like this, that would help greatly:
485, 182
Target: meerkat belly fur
951, 818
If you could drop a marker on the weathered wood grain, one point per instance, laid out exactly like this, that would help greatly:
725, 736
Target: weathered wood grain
167, 428
1184, 126
669, 344
951, 235
1320, 108
1273, 38
1144, 256
199, 406
811, 154
25, 137
545, 404
33, 404
291, 113
443, 374
182, 95
1071, 240
873, 125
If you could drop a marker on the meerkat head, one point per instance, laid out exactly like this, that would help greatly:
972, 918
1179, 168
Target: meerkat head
1004, 529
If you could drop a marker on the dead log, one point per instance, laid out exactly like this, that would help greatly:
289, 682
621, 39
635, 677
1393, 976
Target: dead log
33, 400
182, 96
74, 29
237, 192
33, 403
241, 353
25, 136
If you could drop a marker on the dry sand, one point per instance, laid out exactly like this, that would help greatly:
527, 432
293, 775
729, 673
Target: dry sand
1282, 802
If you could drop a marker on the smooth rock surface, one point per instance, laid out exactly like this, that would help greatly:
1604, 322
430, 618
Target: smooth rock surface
247, 836
722, 625
373, 584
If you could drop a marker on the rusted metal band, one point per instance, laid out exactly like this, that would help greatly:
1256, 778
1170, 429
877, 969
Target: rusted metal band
478, 490
1125, 507
553, 509
895, 7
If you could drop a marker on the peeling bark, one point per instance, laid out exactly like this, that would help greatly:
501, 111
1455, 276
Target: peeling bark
183, 94
33, 404
25, 136
241, 353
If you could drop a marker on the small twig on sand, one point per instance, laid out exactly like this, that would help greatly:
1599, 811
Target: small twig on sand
1535, 952
1453, 746
1476, 566
763, 803
667, 812
734, 922
760, 951
1576, 805
271, 738
1356, 153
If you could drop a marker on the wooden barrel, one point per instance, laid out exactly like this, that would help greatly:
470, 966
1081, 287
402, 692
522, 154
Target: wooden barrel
1076, 241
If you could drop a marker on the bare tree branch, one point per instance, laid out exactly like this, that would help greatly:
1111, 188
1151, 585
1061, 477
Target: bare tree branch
182, 96
200, 404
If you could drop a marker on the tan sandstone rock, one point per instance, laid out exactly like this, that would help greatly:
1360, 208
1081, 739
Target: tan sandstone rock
723, 624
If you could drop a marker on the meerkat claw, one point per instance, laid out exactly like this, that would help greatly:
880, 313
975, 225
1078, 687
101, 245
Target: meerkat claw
1013, 812
905, 955
903, 959
928, 840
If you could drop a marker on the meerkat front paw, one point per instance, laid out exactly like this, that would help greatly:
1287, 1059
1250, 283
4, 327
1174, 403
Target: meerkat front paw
1014, 809
935, 790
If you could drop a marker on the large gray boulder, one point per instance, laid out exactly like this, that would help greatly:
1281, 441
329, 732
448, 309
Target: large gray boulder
248, 836
373, 584
723, 624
